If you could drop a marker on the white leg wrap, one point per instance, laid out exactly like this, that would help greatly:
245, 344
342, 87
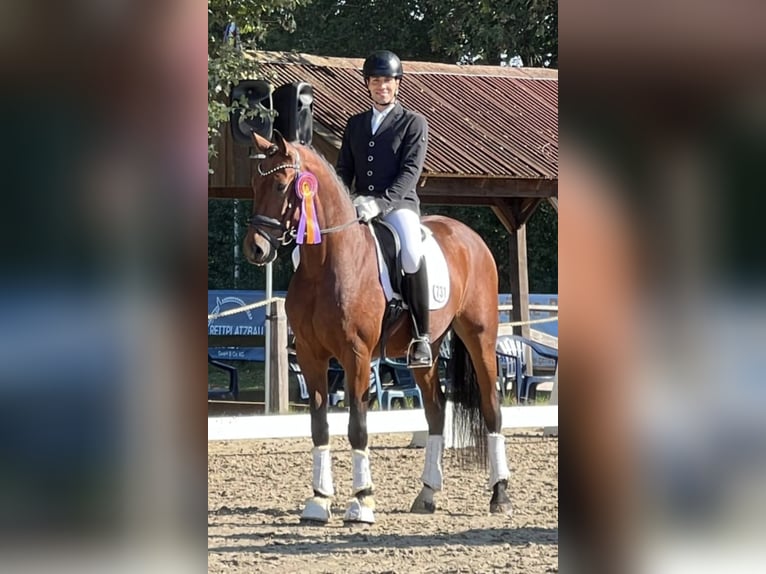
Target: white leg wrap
322, 482
498, 466
361, 470
432, 471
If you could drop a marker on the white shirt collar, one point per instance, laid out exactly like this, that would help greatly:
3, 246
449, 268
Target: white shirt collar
379, 116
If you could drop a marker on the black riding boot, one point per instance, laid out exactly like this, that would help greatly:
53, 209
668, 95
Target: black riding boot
416, 294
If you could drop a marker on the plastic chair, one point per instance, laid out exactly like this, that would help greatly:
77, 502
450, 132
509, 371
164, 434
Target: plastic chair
233, 389
404, 386
510, 349
294, 367
336, 382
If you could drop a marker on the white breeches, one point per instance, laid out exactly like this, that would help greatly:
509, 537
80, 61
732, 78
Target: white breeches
407, 225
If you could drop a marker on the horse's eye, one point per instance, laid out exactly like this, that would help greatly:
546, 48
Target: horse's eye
281, 187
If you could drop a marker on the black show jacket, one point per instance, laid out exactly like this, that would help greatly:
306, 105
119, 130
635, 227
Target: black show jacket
386, 165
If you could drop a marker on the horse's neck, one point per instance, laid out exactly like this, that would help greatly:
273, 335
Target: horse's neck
335, 206
334, 209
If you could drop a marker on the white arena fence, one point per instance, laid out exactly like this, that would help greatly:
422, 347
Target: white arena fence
378, 422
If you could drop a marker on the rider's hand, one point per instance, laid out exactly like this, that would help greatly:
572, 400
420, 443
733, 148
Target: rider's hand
367, 207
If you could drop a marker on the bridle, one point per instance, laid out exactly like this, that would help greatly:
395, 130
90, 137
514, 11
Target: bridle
289, 232
258, 222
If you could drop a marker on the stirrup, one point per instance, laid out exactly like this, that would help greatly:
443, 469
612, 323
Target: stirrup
420, 363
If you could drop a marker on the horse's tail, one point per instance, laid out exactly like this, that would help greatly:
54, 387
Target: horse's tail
468, 426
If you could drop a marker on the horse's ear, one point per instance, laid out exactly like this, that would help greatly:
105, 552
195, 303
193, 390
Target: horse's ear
280, 141
260, 142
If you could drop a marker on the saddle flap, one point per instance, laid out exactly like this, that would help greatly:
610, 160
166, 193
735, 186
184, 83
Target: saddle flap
388, 250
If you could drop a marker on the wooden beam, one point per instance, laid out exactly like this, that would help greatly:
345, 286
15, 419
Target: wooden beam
457, 200
519, 280
437, 186
554, 201
528, 208
505, 215
544, 338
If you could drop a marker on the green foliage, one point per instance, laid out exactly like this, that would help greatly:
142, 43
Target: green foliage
331, 28
227, 61
465, 31
493, 31
225, 271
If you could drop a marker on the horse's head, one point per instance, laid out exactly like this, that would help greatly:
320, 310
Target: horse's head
274, 202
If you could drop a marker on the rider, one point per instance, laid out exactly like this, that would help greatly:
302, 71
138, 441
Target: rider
382, 153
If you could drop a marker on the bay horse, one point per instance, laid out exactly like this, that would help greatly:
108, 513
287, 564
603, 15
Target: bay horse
335, 306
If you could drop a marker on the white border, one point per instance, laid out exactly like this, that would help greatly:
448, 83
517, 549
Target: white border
402, 421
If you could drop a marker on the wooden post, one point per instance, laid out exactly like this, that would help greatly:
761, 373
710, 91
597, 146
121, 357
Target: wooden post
520, 286
519, 281
279, 395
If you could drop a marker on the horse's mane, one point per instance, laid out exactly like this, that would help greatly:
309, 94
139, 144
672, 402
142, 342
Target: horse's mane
308, 151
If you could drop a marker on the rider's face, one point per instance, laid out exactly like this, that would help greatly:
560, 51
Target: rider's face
382, 89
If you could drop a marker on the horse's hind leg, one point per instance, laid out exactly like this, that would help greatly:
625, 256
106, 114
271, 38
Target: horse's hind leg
480, 343
433, 399
317, 507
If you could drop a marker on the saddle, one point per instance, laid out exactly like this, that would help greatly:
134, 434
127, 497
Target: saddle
388, 249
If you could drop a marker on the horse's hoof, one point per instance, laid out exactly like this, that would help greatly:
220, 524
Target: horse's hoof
360, 511
501, 508
317, 509
424, 503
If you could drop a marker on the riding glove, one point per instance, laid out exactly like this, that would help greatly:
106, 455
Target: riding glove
367, 207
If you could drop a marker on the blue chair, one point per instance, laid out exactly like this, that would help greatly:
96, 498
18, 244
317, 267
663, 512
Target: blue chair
508, 351
233, 389
336, 382
403, 386
293, 367
512, 365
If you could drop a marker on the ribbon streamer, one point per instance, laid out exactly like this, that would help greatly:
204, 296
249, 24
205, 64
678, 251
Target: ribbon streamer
306, 187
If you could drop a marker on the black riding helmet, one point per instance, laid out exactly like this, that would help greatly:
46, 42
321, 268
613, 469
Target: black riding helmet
382, 63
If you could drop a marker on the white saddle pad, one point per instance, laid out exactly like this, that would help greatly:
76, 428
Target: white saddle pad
436, 264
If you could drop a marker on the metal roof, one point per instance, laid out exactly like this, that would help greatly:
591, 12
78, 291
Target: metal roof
484, 121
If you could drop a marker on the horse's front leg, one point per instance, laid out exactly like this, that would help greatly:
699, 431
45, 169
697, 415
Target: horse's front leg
361, 507
432, 476
317, 507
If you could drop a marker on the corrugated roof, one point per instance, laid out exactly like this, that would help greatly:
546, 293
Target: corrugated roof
484, 121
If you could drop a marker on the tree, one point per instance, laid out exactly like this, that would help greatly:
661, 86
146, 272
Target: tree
328, 28
226, 44
452, 31
495, 31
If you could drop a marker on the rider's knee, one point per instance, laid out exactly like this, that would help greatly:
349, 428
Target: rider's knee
411, 259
